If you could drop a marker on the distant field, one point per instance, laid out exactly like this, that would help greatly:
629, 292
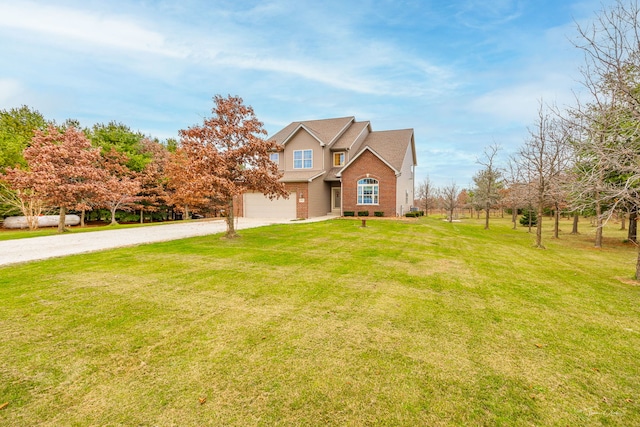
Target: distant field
401, 323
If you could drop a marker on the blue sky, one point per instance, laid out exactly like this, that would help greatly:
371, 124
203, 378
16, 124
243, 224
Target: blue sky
464, 74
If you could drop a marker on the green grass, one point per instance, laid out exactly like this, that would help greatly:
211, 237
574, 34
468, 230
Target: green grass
13, 234
417, 322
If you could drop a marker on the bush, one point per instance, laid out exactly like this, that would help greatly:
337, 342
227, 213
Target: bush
363, 213
378, 213
348, 213
412, 214
524, 219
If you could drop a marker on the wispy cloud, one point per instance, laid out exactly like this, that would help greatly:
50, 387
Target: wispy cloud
481, 14
461, 72
83, 27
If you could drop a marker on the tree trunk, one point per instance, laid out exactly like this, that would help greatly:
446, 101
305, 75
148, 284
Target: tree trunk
113, 216
63, 219
141, 216
539, 229
486, 217
186, 213
638, 265
514, 216
633, 226
541, 189
623, 221
556, 230
82, 214
231, 230
598, 242
576, 218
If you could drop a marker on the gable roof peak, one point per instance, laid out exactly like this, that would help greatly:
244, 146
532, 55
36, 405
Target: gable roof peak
326, 131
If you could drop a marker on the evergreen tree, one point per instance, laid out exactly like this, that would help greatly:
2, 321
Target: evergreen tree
529, 217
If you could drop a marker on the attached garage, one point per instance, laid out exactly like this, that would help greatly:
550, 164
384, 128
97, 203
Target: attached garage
256, 205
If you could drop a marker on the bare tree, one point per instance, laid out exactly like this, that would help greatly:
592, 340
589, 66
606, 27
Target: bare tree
610, 121
487, 181
426, 195
450, 201
608, 175
544, 157
515, 189
23, 200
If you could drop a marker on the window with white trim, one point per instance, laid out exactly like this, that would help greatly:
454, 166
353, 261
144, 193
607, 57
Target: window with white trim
274, 157
368, 190
338, 159
303, 159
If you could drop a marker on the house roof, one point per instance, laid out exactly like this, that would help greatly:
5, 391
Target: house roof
301, 176
332, 174
389, 145
347, 139
326, 131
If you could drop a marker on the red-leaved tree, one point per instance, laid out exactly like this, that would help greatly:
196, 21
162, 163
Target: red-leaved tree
153, 192
187, 192
226, 156
120, 186
62, 168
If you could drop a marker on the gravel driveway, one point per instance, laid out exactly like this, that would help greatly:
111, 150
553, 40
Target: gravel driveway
37, 248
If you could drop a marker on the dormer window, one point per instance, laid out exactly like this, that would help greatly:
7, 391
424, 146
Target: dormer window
303, 159
338, 159
274, 157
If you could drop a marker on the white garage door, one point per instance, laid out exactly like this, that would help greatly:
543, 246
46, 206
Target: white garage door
256, 205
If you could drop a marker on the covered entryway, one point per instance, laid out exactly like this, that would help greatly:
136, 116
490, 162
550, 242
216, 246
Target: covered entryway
336, 200
256, 205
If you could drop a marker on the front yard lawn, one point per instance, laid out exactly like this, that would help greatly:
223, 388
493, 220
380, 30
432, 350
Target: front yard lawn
417, 322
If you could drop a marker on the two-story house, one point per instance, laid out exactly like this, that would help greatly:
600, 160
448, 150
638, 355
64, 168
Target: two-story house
338, 165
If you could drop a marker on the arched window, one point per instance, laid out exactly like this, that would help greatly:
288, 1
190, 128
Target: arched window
368, 191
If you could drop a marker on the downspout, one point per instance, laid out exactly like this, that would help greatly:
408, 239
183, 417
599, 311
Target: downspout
413, 184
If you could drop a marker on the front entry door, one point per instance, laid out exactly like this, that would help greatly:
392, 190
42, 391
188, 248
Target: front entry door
336, 200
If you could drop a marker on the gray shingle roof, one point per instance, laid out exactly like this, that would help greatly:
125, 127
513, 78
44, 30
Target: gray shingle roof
391, 145
299, 176
341, 134
346, 140
331, 174
325, 130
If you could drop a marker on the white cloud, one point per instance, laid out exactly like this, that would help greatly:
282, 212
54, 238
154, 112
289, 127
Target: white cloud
83, 27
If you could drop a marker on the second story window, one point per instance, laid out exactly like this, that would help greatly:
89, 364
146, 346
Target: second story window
338, 159
274, 157
303, 159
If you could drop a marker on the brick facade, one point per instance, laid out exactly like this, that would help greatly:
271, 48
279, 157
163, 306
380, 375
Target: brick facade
367, 165
302, 208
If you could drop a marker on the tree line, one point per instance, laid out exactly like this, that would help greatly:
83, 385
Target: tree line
582, 159
47, 167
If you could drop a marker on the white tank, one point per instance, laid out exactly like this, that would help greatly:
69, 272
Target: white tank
43, 221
